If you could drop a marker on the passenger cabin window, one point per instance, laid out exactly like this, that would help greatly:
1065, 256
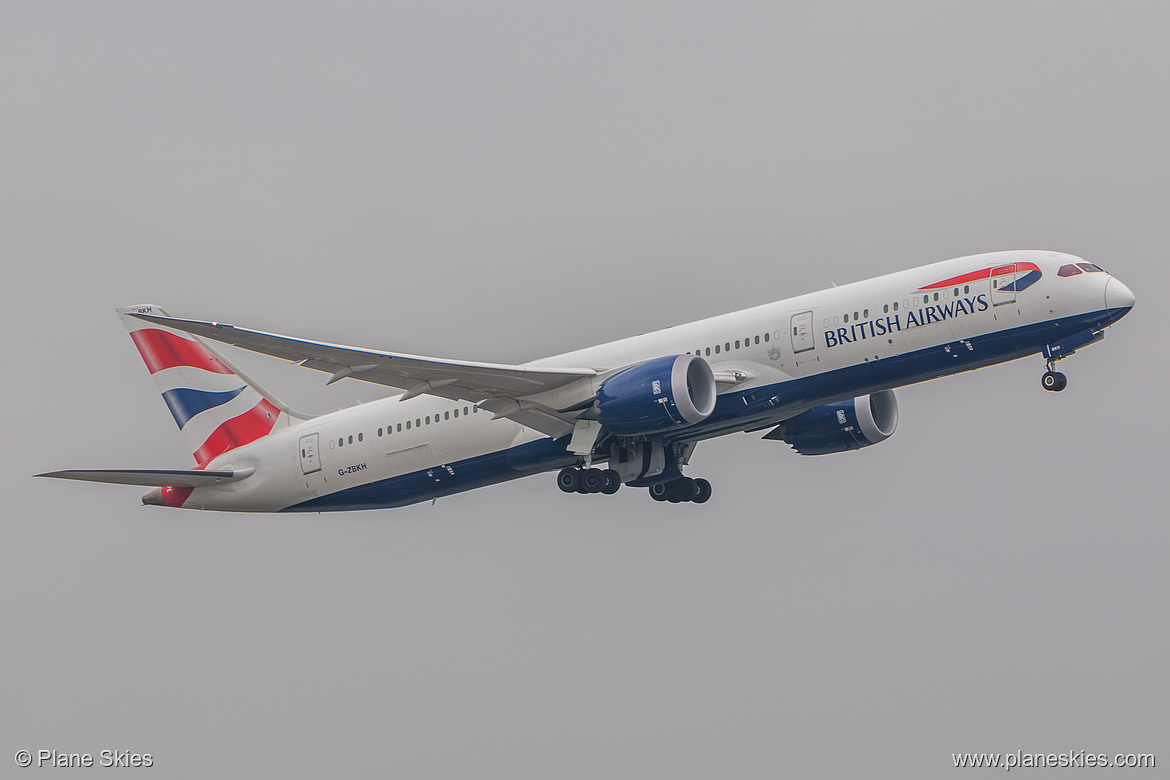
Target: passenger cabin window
766, 336
716, 349
757, 339
360, 436
351, 438
400, 427
408, 425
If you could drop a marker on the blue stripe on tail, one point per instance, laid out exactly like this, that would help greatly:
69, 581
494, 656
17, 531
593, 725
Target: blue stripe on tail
185, 403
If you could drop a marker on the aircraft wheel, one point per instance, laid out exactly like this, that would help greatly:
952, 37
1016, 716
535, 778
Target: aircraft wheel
660, 492
569, 480
612, 482
681, 490
702, 491
591, 481
1054, 381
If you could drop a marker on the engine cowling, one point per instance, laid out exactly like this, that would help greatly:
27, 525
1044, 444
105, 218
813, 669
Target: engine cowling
840, 427
666, 392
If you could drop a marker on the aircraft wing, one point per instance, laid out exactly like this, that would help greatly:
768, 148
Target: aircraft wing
496, 387
146, 478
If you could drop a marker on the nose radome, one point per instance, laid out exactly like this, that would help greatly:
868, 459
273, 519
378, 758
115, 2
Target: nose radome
1118, 296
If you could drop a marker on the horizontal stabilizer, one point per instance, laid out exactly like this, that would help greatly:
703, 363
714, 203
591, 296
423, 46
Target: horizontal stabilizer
147, 478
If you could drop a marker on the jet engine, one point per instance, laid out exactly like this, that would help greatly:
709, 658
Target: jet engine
843, 426
666, 392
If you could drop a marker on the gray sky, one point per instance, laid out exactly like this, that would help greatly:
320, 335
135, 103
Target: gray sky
507, 181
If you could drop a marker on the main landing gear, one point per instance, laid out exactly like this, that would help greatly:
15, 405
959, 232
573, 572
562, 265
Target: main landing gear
1053, 380
605, 481
681, 490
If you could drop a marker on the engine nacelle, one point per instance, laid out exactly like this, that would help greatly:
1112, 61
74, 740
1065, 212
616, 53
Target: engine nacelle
843, 426
666, 392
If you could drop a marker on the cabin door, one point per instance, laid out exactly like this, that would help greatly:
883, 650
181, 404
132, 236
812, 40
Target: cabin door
1003, 285
801, 329
310, 457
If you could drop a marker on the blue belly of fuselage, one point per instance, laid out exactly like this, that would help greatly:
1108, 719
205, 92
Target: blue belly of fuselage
751, 409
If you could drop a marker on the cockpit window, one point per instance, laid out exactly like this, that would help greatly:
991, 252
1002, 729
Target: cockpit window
1068, 270
1090, 268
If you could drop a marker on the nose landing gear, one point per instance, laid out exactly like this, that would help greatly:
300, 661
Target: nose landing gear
1053, 380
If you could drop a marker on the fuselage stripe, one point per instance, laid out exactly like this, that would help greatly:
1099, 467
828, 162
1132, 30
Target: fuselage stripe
985, 273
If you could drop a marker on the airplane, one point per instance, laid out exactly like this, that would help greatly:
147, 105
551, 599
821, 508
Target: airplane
816, 372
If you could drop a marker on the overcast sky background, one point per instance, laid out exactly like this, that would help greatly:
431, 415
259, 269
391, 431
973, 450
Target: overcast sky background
510, 180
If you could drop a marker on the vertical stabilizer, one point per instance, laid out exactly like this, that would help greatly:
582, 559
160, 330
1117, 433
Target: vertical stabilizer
216, 407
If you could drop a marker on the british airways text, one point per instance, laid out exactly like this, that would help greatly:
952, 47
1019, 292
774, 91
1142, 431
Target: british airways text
859, 331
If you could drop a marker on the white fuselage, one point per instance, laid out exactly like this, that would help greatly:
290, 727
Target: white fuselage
806, 351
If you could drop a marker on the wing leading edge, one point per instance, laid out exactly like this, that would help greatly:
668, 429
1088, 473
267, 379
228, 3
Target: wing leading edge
506, 390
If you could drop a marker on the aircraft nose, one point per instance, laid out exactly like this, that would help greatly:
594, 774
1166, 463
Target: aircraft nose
1118, 297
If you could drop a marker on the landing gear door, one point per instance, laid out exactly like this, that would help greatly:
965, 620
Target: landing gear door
1003, 285
310, 456
802, 331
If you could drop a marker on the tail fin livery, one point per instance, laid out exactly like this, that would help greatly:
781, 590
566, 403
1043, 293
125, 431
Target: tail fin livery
216, 407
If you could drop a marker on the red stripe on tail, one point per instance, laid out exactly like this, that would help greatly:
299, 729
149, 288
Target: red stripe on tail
175, 496
161, 350
253, 424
